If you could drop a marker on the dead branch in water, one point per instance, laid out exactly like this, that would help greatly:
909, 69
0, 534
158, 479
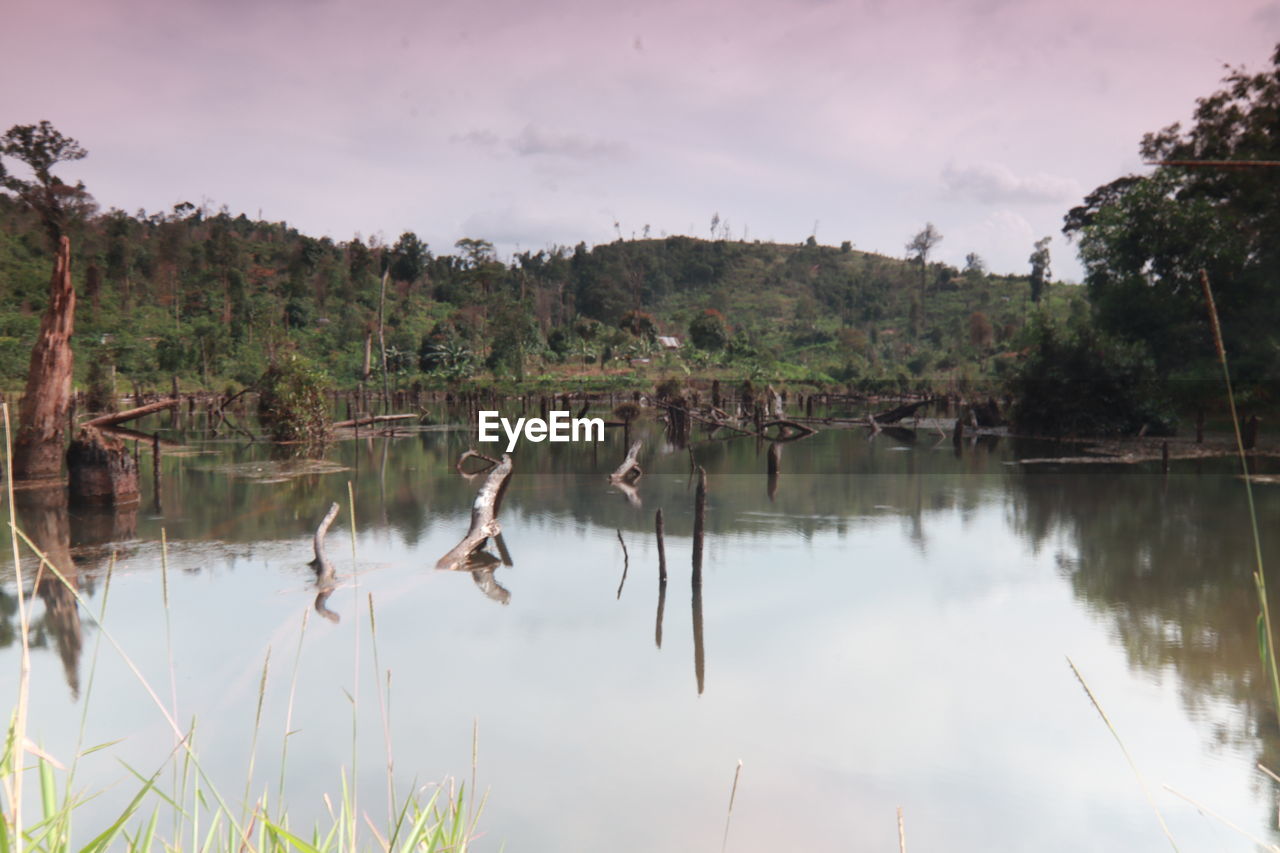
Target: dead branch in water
629, 471
471, 454
131, 414
787, 430
484, 517
898, 413
321, 564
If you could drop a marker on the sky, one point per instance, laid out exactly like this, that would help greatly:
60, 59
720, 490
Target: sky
532, 124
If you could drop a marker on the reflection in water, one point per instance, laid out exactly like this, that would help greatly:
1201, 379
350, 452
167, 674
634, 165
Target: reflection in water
775, 460
699, 651
1168, 563
42, 515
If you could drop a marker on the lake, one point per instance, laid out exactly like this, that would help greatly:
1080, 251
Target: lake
885, 623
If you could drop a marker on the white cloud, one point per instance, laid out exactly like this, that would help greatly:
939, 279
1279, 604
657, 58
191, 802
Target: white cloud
994, 183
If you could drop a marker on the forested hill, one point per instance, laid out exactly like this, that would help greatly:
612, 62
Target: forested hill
213, 298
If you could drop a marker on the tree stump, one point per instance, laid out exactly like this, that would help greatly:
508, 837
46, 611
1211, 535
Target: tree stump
42, 417
101, 470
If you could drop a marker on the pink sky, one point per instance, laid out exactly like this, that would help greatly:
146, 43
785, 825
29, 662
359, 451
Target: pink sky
537, 123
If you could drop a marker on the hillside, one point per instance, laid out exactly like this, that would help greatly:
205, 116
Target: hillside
212, 298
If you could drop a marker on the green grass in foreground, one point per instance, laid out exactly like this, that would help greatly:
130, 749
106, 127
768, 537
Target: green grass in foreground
176, 806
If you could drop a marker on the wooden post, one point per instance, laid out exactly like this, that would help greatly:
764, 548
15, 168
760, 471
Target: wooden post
699, 520
1251, 432
1164, 457
155, 471
662, 549
774, 461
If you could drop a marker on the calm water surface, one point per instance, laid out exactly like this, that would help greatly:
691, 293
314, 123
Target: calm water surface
886, 623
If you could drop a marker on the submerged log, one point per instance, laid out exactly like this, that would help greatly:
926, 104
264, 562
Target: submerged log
101, 470
484, 517
42, 414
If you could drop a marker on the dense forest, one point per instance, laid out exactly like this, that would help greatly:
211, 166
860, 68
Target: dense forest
213, 297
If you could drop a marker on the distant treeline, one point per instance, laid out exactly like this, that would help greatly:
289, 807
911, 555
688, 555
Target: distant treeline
214, 298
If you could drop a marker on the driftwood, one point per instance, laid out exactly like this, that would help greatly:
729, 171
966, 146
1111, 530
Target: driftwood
321, 564
42, 413
896, 414
373, 419
131, 414
326, 578
629, 471
484, 518
787, 430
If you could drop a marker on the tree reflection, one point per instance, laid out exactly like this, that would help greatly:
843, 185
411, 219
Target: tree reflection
1169, 565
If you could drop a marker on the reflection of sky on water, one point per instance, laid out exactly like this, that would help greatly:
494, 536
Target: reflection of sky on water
872, 640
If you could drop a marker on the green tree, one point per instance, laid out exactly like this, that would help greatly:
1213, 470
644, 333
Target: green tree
1039, 269
1144, 239
708, 331
409, 258
41, 147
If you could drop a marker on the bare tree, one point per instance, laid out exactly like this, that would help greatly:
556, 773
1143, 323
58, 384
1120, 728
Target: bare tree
919, 248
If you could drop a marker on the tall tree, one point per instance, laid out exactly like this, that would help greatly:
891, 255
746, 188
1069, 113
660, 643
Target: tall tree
41, 147
1039, 268
919, 248
409, 258
1144, 238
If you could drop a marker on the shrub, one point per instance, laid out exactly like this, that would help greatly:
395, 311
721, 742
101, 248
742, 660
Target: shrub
292, 404
708, 330
1079, 381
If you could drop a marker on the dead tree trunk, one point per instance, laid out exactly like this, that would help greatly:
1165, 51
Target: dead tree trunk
101, 470
484, 518
629, 471
42, 417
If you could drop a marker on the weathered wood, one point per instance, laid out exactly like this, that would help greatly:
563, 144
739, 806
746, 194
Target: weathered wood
776, 409
772, 467
787, 430
662, 548
484, 521
892, 416
101, 471
321, 564
629, 471
42, 413
472, 454
699, 521
130, 414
